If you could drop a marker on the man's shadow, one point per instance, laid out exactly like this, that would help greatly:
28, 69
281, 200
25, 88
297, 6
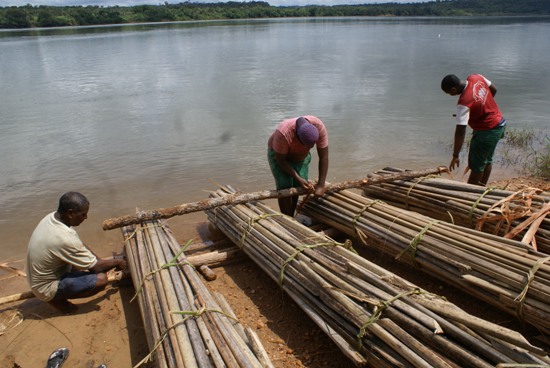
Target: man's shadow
36, 309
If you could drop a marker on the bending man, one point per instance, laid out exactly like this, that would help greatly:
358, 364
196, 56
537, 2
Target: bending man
289, 157
59, 266
477, 108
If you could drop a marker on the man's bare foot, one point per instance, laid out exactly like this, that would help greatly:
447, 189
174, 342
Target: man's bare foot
63, 305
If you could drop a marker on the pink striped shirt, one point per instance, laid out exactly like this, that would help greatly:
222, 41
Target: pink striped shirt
285, 141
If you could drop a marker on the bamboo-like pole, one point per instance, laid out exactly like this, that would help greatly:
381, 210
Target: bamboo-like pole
236, 198
521, 215
505, 264
6, 267
185, 326
149, 300
336, 289
16, 297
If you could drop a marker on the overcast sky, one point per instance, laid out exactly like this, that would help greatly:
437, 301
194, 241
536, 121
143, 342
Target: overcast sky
156, 2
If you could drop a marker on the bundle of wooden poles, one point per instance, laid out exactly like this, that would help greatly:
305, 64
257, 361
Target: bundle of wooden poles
376, 318
522, 215
186, 326
505, 273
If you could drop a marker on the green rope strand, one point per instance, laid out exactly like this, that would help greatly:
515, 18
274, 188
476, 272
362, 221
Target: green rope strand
474, 206
362, 236
173, 262
141, 228
188, 315
251, 224
379, 308
530, 278
412, 248
303, 247
416, 182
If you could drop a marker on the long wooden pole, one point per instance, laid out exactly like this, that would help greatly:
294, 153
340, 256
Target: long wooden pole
236, 198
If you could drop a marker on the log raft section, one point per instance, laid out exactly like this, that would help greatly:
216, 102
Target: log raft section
376, 318
185, 325
521, 215
505, 273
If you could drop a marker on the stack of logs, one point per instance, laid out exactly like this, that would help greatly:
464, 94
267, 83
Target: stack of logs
374, 317
520, 215
503, 272
186, 326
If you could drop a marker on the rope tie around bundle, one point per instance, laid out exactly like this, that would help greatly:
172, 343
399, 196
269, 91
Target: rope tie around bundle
413, 244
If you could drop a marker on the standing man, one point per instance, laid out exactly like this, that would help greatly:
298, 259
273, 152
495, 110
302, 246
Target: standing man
477, 108
289, 157
59, 266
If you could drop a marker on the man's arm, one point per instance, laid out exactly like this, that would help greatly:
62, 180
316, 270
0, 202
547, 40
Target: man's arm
105, 264
460, 133
493, 89
323, 170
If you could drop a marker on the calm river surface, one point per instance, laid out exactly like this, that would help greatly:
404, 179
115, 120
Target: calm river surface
153, 116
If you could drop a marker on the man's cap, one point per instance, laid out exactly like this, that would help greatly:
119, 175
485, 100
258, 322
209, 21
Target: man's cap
306, 131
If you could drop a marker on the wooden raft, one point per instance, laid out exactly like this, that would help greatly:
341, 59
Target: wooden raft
186, 326
376, 318
505, 273
523, 215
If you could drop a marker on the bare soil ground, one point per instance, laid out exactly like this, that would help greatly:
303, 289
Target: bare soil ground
107, 329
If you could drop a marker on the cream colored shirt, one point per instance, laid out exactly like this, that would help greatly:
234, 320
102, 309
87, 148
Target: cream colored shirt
54, 248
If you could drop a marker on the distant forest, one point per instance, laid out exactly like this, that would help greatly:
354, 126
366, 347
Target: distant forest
29, 16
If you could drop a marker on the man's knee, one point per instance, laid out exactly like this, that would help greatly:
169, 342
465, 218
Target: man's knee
101, 281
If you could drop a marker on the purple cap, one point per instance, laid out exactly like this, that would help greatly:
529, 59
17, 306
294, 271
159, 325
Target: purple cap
306, 131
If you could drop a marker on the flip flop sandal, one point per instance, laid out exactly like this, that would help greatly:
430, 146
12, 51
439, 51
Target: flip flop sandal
57, 358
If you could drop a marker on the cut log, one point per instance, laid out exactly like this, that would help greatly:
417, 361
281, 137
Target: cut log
8, 268
207, 273
217, 258
16, 297
237, 198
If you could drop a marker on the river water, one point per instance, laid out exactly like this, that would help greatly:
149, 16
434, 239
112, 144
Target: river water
153, 116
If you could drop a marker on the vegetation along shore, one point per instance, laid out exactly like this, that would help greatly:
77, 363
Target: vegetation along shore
28, 16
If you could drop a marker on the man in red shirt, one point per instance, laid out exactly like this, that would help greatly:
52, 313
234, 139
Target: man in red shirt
289, 157
477, 108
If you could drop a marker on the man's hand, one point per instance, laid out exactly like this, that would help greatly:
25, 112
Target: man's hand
455, 162
122, 265
319, 190
306, 185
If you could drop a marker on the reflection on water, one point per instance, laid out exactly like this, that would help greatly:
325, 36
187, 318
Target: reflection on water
154, 115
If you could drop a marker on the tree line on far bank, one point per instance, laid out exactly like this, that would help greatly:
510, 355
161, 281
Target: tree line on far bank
29, 16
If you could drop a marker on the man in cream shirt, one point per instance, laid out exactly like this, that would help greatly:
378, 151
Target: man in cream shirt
59, 265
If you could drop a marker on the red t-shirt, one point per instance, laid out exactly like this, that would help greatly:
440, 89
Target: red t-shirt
476, 105
285, 141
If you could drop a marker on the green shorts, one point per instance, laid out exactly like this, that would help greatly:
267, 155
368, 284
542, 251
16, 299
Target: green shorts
282, 179
482, 147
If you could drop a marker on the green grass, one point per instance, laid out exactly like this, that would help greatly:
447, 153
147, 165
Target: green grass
541, 163
524, 150
520, 138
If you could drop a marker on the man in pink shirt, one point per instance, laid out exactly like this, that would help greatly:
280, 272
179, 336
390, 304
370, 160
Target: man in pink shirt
289, 157
477, 108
